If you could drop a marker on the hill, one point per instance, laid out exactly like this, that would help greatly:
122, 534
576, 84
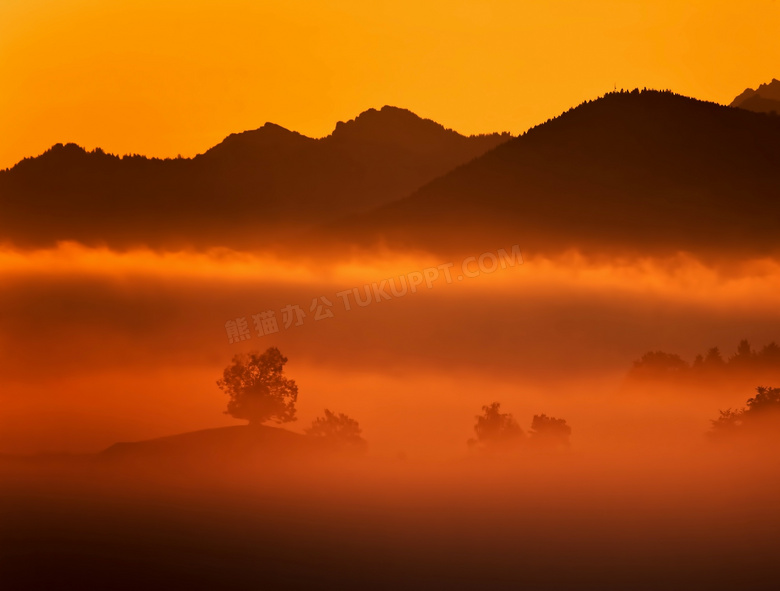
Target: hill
632, 171
220, 445
250, 190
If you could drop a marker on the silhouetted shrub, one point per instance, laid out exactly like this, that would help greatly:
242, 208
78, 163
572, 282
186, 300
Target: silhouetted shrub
550, 432
339, 430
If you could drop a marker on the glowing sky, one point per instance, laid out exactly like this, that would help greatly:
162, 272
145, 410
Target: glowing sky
163, 78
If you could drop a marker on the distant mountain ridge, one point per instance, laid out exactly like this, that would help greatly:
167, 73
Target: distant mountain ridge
251, 189
632, 171
765, 99
637, 172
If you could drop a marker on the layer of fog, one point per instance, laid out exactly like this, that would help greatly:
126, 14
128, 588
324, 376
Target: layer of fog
99, 346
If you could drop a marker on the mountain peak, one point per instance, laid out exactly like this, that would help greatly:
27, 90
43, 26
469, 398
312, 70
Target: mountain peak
61, 156
764, 99
389, 122
269, 136
773, 86
639, 171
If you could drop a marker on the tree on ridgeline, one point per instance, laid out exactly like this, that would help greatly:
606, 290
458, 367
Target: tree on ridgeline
662, 366
338, 430
770, 354
258, 389
744, 357
655, 364
713, 360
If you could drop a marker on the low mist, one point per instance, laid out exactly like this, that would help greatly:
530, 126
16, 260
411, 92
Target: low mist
102, 349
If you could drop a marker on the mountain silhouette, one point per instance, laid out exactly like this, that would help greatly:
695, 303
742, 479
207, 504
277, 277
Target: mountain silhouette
765, 99
635, 171
251, 189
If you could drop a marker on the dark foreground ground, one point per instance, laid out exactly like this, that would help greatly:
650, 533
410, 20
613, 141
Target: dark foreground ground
695, 521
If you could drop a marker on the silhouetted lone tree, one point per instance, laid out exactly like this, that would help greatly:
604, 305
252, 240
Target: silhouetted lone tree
760, 417
338, 429
496, 429
550, 432
258, 390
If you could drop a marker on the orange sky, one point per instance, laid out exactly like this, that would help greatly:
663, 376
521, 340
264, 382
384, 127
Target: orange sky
162, 78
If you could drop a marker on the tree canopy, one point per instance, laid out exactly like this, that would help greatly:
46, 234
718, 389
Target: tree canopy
258, 390
496, 428
549, 431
